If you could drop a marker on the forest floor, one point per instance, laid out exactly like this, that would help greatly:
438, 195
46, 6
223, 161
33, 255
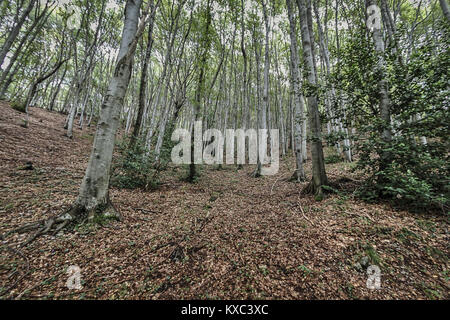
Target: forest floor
228, 236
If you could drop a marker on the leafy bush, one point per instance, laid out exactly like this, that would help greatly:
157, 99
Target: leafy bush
407, 168
135, 168
333, 158
18, 106
132, 168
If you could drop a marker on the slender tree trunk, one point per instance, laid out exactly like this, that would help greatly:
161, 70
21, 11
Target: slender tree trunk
445, 9
245, 82
58, 89
262, 112
335, 124
319, 177
299, 107
36, 83
22, 42
164, 75
384, 101
144, 77
15, 31
85, 70
94, 190
205, 45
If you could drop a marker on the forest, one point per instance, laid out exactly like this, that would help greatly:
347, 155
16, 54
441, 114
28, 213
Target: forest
224, 149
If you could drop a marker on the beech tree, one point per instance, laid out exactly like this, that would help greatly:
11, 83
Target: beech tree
299, 104
319, 177
93, 200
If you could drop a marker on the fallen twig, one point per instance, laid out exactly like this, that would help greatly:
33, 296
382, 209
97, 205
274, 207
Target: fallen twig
303, 213
21, 254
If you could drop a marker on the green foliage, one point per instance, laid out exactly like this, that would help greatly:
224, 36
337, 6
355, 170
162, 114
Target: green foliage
306, 271
334, 137
372, 254
18, 106
133, 168
333, 158
406, 168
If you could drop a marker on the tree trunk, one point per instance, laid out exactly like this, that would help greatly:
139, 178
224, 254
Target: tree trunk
445, 10
15, 31
85, 70
206, 43
319, 177
262, 112
58, 89
35, 84
144, 77
335, 123
299, 107
22, 42
167, 62
385, 112
94, 195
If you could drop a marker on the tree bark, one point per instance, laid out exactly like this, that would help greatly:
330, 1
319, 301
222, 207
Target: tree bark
85, 70
299, 106
144, 77
41, 17
15, 31
262, 111
94, 190
384, 101
445, 9
206, 43
36, 83
319, 177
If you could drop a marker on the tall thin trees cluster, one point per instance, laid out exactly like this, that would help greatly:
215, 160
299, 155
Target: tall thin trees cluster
154, 65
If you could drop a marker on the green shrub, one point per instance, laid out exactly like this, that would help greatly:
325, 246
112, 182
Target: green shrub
333, 158
403, 169
133, 168
18, 106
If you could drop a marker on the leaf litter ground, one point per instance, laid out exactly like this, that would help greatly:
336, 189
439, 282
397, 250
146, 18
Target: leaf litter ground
228, 236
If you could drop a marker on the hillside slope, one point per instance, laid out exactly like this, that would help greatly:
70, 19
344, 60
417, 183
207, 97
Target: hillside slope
229, 236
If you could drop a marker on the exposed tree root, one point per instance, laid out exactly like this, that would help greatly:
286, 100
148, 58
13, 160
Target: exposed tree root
276, 181
256, 173
75, 215
311, 188
303, 212
296, 176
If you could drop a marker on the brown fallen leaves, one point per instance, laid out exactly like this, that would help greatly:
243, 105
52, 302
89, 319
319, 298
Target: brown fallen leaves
229, 236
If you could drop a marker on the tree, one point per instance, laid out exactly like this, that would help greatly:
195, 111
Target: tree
144, 75
93, 198
15, 31
319, 177
264, 106
204, 52
299, 104
445, 10
384, 101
